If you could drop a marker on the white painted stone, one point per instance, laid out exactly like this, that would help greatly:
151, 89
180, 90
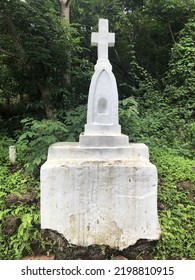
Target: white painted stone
103, 39
12, 154
103, 140
101, 190
102, 112
100, 196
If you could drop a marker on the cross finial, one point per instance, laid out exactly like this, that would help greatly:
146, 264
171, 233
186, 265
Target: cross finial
103, 39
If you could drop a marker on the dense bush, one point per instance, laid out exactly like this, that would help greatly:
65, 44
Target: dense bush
36, 137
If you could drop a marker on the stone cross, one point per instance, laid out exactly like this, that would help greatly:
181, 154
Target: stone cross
103, 39
103, 128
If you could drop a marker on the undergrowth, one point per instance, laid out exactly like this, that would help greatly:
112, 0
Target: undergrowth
177, 214
27, 234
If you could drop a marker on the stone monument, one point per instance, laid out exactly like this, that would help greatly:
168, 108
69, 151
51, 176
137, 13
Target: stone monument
101, 190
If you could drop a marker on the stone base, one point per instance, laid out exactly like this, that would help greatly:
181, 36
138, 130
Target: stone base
120, 140
100, 196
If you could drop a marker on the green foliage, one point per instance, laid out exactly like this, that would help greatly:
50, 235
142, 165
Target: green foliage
36, 51
13, 246
180, 79
129, 118
156, 26
162, 121
5, 142
35, 139
177, 217
26, 237
75, 121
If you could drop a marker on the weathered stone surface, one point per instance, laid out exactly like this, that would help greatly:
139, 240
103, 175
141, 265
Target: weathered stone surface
12, 154
94, 198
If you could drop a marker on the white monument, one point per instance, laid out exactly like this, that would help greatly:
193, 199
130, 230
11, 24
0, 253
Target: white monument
101, 190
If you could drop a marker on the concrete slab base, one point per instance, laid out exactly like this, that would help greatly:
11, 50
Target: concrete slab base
95, 197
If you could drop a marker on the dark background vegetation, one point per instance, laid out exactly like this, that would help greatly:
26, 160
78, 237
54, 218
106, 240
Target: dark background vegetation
46, 63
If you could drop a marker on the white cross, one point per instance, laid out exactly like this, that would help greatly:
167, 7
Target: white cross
103, 39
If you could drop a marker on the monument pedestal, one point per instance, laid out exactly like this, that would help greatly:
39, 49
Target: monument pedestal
101, 190
104, 195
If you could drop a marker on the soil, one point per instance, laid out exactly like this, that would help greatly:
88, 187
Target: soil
64, 251
188, 187
11, 224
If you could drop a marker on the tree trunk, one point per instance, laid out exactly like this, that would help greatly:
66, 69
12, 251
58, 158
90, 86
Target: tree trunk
47, 102
64, 9
65, 15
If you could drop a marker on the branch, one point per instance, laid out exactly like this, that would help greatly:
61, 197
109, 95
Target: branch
172, 36
8, 53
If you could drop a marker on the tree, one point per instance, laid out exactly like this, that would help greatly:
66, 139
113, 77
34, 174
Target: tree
156, 27
180, 78
35, 47
38, 46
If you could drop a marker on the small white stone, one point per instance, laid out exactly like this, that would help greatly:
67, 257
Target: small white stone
12, 154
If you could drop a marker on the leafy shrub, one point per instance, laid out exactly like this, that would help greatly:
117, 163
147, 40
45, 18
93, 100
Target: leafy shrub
26, 238
177, 217
180, 78
35, 139
37, 136
5, 142
129, 118
75, 121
